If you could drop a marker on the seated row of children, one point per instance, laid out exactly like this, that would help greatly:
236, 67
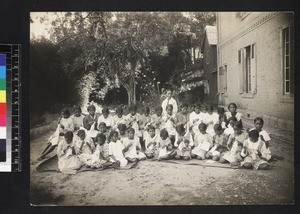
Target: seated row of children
103, 140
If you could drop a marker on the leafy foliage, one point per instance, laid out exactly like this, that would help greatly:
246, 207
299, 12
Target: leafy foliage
100, 51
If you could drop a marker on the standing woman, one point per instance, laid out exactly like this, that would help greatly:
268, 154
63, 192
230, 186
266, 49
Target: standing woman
169, 100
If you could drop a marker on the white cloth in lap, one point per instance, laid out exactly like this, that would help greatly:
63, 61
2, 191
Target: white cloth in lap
169, 125
150, 139
116, 149
132, 151
163, 144
66, 160
199, 140
251, 155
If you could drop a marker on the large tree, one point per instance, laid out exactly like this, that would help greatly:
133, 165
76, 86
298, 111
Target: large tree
115, 47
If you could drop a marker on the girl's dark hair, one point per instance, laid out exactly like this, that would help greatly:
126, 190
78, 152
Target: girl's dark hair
151, 127
238, 124
159, 108
105, 110
217, 127
130, 130
169, 106
77, 108
91, 107
184, 105
132, 108
164, 133
233, 105
259, 119
204, 106
147, 110
122, 127
112, 133
102, 124
66, 111
180, 128
221, 110
232, 118
197, 105
69, 135
202, 126
211, 108
80, 132
101, 136
254, 134
119, 110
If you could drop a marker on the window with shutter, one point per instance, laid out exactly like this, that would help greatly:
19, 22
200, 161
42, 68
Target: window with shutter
288, 70
247, 69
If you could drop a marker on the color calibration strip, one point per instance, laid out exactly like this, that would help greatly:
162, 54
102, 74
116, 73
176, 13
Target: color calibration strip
10, 107
2, 108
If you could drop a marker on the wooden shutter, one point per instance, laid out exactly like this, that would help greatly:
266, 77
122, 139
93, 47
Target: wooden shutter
221, 88
241, 70
253, 68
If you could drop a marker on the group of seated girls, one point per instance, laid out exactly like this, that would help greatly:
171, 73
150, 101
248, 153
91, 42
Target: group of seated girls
102, 140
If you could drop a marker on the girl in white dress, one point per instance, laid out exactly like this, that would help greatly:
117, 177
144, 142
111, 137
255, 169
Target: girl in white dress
196, 117
202, 143
68, 162
132, 151
118, 118
106, 118
116, 150
232, 107
151, 143
83, 144
183, 142
65, 124
77, 118
166, 150
255, 153
210, 119
169, 120
157, 121
229, 130
132, 120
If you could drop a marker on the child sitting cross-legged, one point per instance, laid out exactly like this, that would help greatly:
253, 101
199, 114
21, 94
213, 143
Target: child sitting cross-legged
183, 143
234, 144
132, 147
219, 142
166, 150
151, 143
100, 157
202, 143
255, 153
68, 162
116, 149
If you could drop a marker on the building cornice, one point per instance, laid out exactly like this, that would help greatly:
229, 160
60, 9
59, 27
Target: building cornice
253, 26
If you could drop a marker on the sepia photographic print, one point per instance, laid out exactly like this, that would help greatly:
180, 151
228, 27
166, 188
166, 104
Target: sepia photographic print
161, 108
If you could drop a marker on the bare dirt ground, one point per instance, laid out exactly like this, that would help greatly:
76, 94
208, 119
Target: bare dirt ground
161, 183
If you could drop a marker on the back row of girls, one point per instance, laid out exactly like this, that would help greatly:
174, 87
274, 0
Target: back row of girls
202, 134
